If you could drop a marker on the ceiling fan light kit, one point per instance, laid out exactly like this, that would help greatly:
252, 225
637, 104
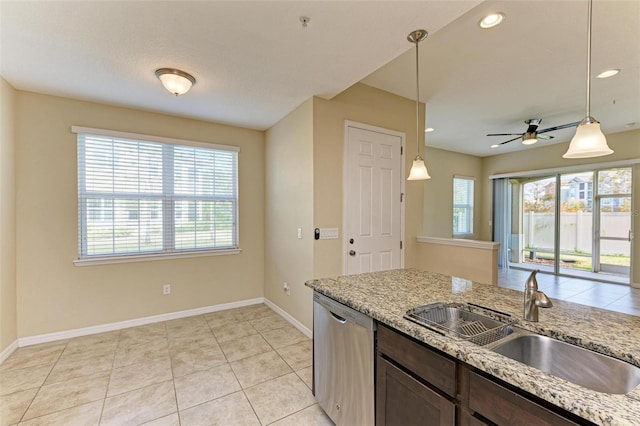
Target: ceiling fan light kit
418, 168
175, 81
589, 141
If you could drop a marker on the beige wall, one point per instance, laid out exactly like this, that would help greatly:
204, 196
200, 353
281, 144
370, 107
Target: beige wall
289, 206
626, 145
363, 104
8, 312
53, 294
438, 191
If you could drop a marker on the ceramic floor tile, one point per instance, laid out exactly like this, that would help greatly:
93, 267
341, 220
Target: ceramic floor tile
278, 398
306, 374
204, 386
253, 312
233, 331
260, 368
140, 406
203, 337
31, 356
86, 350
156, 350
170, 420
286, 336
86, 414
195, 356
67, 394
14, 405
310, 416
135, 376
245, 347
625, 309
70, 368
25, 378
270, 322
229, 410
298, 355
147, 333
187, 325
216, 319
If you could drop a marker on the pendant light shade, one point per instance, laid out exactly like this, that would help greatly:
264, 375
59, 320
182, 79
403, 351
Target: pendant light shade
589, 141
418, 169
175, 81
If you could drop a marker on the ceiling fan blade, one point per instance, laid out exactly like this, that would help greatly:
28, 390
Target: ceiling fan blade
546, 137
563, 126
510, 140
505, 134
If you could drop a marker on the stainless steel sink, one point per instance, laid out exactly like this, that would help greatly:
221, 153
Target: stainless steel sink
577, 365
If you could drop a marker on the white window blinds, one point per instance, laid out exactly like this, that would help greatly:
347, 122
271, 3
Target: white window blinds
139, 196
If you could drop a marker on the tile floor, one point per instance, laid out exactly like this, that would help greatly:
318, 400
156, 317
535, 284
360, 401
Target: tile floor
244, 366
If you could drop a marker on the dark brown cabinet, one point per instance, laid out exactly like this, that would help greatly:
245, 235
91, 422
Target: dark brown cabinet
404, 401
417, 385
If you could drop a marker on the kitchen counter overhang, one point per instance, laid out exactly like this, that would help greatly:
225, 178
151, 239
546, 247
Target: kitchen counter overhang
386, 296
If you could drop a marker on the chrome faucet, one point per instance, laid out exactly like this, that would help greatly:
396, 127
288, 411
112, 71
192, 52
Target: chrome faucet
533, 298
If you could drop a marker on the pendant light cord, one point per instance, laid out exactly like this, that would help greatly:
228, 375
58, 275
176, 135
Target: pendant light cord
589, 13
417, 100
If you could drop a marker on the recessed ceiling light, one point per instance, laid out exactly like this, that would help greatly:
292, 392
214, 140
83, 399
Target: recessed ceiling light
608, 73
491, 20
429, 130
495, 145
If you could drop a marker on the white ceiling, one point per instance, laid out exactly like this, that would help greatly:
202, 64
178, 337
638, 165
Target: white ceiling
254, 62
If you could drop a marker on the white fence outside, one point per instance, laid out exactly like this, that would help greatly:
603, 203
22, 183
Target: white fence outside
576, 231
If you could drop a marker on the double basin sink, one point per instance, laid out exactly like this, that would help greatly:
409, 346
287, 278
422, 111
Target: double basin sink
497, 333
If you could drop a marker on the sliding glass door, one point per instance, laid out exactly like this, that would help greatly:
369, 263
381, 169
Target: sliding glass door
539, 222
577, 224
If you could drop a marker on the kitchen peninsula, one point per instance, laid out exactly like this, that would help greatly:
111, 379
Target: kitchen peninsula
386, 297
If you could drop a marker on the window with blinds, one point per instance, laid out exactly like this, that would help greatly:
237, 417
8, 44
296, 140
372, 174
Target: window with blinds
138, 197
462, 205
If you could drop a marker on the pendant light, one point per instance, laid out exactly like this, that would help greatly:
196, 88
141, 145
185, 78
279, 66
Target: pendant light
589, 141
418, 169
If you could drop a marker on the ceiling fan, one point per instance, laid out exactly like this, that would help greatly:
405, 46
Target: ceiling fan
532, 134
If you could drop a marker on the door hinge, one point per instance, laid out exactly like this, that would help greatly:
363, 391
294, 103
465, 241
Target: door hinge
401, 245
401, 196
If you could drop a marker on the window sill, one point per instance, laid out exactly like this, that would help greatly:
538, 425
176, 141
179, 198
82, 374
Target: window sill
149, 257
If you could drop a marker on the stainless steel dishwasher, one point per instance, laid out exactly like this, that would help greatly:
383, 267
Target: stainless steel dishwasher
343, 362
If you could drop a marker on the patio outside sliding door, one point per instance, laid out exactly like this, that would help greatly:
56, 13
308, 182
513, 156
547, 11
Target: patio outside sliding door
539, 222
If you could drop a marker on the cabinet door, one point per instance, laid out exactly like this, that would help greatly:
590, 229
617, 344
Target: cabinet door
401, 400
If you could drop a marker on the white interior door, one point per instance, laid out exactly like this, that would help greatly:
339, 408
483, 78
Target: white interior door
373, 205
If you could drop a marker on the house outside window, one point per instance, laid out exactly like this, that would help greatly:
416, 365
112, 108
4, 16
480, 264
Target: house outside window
463, 205
142, 195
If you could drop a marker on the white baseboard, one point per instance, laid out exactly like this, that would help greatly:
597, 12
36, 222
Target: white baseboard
8, 351
297, 324
51, 337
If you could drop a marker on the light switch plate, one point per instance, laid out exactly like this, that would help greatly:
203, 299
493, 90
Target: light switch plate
328, 233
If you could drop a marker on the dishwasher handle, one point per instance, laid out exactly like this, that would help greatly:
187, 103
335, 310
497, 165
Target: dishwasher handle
338, 318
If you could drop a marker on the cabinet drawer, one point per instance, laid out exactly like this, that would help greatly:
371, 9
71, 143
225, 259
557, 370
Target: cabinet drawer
426, 363
504, 407
404, 401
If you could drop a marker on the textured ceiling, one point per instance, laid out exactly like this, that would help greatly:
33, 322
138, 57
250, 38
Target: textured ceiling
253, 60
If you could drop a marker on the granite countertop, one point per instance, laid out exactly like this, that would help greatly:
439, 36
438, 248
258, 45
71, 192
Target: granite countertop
386, 296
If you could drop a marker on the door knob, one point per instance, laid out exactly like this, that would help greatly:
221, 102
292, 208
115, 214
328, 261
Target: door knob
352, 252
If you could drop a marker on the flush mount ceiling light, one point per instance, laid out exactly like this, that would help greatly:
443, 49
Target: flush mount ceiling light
608, 73
589, 141
175, 81
418, 169
491, 20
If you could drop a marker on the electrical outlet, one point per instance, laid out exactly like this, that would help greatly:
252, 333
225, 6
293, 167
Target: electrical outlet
166, 289
286, 289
